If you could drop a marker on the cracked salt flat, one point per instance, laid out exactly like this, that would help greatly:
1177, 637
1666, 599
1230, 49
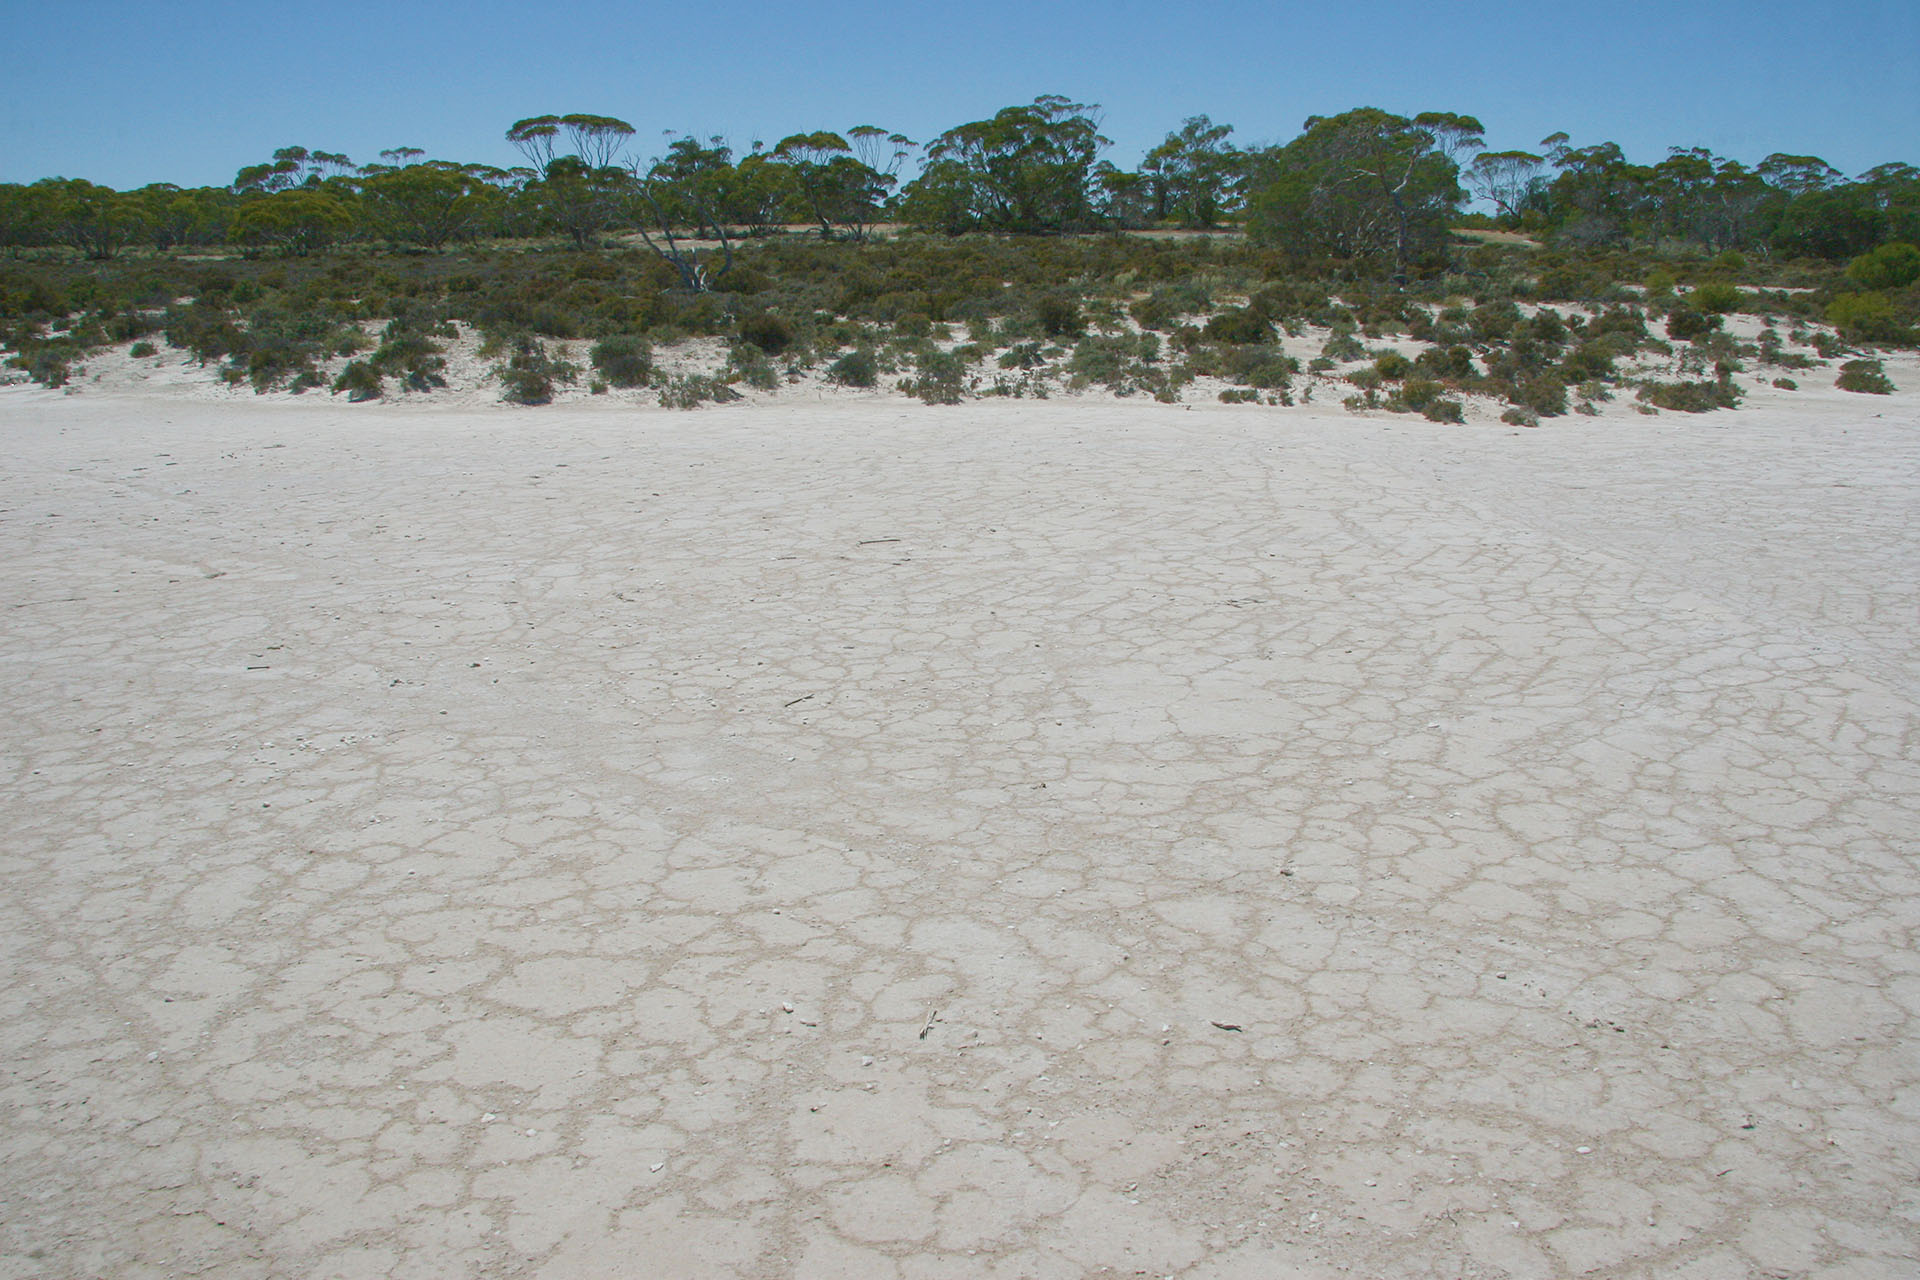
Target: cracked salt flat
485, 844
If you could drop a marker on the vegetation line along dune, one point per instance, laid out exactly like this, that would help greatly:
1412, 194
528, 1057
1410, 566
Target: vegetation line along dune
1343, 265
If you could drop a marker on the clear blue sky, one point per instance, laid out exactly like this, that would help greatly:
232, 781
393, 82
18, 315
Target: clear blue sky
188, 91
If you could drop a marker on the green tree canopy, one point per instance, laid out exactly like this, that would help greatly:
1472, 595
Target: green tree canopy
1027, 169
1365, 185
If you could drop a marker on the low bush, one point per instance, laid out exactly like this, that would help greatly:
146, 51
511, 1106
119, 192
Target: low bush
692, 391
1866, 376
360, 380
1891, 266
1715, 297
1690, 397
623, 360
857, 368
1240, 325
531, 373
1866, 317
1684, 324
769, 332
939, 378
1059, 317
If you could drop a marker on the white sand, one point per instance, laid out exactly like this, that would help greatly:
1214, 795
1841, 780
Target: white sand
490, 842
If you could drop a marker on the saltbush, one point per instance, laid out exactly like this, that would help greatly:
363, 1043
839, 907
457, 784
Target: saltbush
1866, 376
857, 368
623, 360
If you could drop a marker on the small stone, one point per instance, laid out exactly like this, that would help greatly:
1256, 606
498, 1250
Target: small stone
1583, 1151
786, 1006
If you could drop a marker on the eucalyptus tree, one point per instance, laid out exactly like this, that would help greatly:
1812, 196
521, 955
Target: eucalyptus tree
1027, 169
596, 141
1193, 177
431, 204
1511, 181
684, 192
96, 220
839, 189
295, 222
291, 167
1366, 185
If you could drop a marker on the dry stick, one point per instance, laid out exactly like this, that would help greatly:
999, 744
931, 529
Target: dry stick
931, 1015
797, 701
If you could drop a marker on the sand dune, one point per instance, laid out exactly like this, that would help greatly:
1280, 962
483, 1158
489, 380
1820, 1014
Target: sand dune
1042, 840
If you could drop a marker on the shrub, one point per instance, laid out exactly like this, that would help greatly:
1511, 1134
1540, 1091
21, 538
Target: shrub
1546, 396
1685, 324
769, 332
1022, 355
692, 391
1392, 366
1716, 297
1865, 317
941, 378
1891, 266
623, 360
1786, 384
1262, 367
141, 350
856, 368
1059, 317
1239, 325
1444, 411
1418, 393
531, 372
1342, 345
360, 380
1520, 417
409, 353
1690, 397
1865, 376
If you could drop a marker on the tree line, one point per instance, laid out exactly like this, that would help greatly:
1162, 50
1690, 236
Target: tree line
1368, 189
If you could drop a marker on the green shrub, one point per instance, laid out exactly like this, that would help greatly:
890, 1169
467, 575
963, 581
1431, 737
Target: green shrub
1444, 411
1786, 384
692, 391
1022, 355
531, 372
1715, 297
141, 350
1342, 345
407, 351
1865, 317
1392, 366
1418, 393
769, 332
1866, 376
857, 368
1686, 323
1263, 367
1690, 397
624, 360
1891, 266
1059, 317
940, 378
360, 380
1546, 396
1239, 325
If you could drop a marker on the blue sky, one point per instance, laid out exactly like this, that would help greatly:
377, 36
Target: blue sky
190, 90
